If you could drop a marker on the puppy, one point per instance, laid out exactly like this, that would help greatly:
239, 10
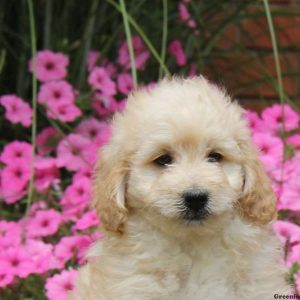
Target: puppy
185, 204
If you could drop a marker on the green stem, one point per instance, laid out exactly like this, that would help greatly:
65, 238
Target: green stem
164, 36
275, 50
129, 42
34, 104
279, 81
47, 27
144, 37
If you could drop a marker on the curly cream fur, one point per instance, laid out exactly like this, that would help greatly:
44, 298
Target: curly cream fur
148, 251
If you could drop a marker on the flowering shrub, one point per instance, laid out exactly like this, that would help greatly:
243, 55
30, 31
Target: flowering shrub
44, 236
43, 241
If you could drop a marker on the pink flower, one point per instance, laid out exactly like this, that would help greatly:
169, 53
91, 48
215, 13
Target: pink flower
87, 221
287, 231
104, 105
100, 80
110, 68
48, 65
66, 248
92, 59
16, 152
77, 195
59, 98
73, 152
14, 179
293, 255
94, 130
17, 111
5, 279
1, 187
294, 140
64, 112
125, 83
183, 12
271, 149
42, 256
175, 49
185, 16
72, 246
46, 172
255, 123
278, 115
55, 93
10, 234
36, 206
141, 60
15, 175
44, 223
83, 173
12, 196
60, 285
122, 105
192, 24
47, 140
290, 195
141, 54
78, 192
16, 261
287, 171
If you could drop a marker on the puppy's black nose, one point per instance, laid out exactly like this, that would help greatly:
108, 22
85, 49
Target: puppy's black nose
195, 199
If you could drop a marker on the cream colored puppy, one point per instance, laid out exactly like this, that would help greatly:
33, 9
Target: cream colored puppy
184, 201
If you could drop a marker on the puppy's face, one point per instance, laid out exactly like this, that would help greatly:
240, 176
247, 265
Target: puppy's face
181, 151
186, 168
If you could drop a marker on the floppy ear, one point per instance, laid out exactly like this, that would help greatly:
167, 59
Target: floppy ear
109, 189
257, 202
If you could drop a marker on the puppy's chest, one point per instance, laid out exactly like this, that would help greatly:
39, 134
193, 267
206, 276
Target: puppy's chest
195, 273
210, 277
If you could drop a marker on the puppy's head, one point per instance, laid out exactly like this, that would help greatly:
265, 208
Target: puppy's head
182, 151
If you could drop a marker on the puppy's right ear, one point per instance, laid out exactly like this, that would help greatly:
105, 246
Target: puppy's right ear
109, 189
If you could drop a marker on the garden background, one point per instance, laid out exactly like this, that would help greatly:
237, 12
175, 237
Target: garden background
67, 66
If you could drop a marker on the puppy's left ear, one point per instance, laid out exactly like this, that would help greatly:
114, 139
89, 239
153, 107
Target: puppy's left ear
257, 202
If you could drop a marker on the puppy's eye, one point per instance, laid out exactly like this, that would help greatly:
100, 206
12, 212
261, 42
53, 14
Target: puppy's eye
214, 157
163, 160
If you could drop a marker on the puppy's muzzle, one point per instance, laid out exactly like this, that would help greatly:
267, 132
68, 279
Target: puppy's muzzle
195, 204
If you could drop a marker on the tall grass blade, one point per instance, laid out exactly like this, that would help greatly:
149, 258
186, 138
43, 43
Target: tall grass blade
129, 42
275, 50
34, 104
47, 24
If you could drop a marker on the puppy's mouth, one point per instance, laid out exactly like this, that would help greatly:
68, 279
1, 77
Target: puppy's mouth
192, 216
